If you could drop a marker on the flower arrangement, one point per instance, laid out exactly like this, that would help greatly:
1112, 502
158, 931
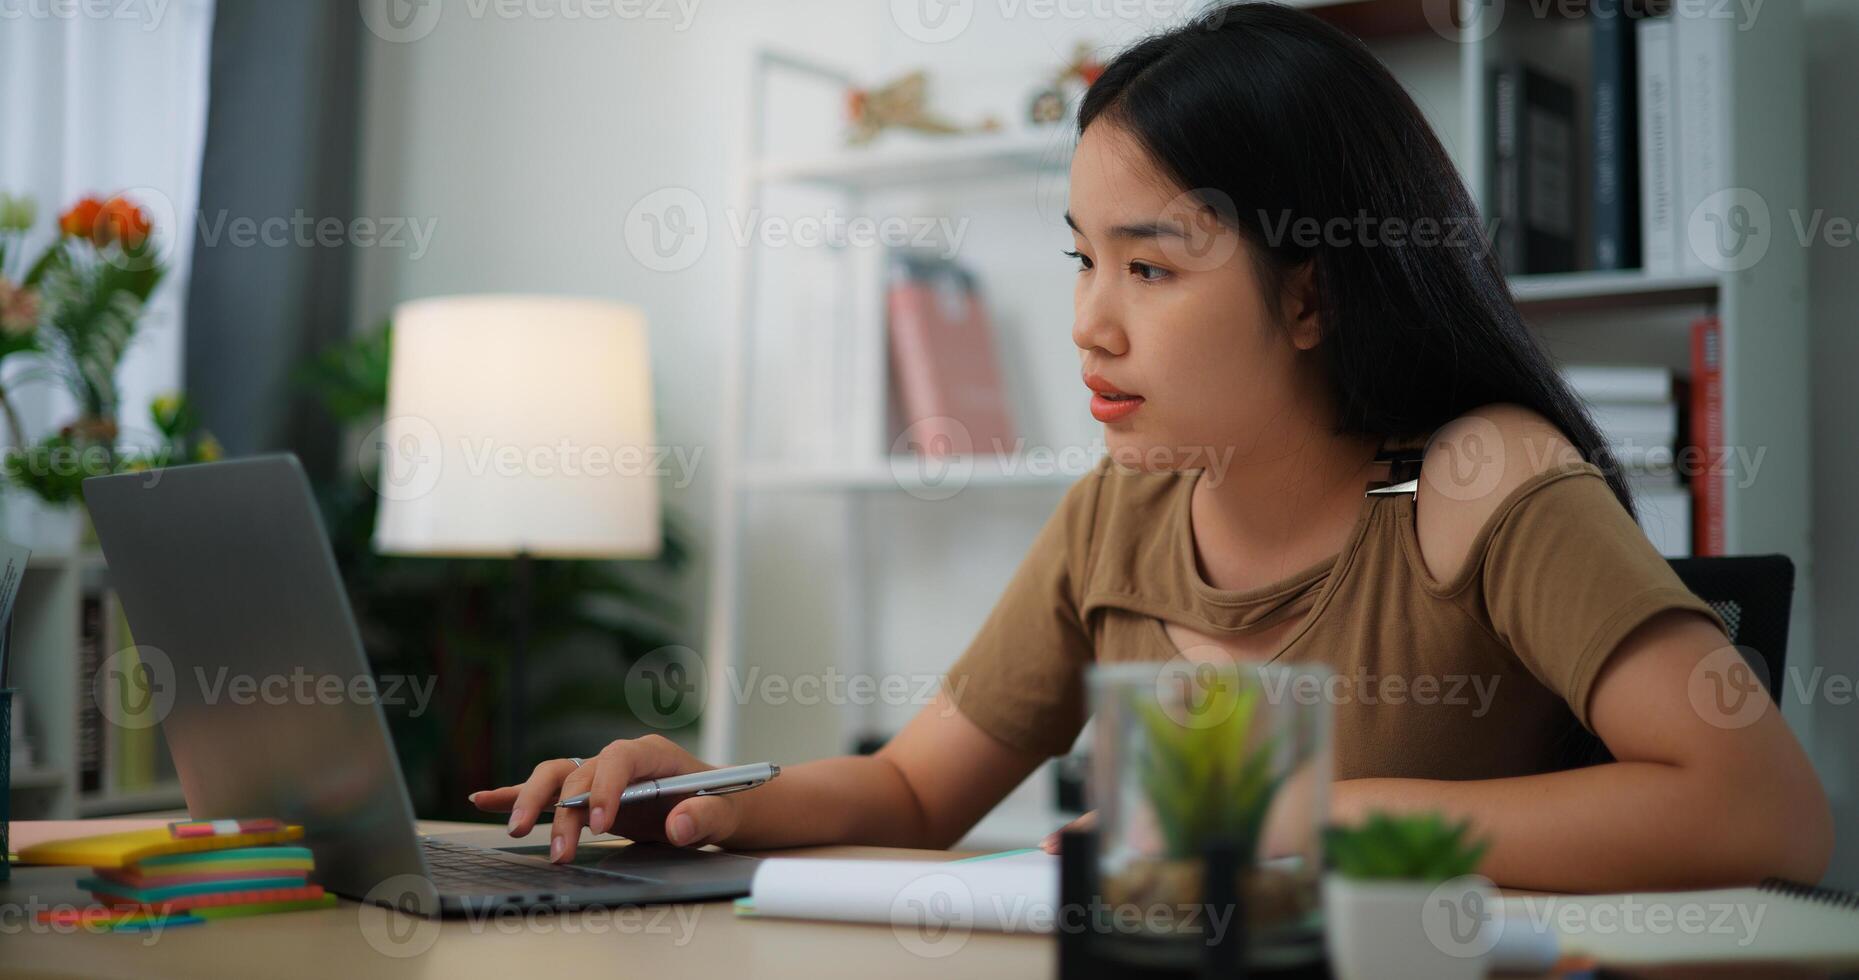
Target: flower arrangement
76, 308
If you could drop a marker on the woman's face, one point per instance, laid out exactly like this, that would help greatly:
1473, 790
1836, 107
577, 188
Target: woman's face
1180, 346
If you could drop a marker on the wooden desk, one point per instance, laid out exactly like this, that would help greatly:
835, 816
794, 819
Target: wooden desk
705, 939
701, 939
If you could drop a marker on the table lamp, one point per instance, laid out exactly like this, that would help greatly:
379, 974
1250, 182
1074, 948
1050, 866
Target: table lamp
518, 427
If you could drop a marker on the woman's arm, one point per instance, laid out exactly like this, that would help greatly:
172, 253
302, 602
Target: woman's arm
925, 788
1698, 798
1695, 799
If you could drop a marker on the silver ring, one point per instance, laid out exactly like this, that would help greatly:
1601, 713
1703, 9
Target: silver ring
577, 762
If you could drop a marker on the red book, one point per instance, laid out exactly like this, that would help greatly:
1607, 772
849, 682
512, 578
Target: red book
949, 395
1707, 438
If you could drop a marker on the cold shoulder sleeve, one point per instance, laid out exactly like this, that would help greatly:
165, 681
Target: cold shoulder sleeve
1568, 574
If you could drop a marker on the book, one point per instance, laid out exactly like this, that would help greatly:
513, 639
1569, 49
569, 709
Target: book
950, 398
1700, 44
238, 866
1658, 154
1630, 383
21, 756
124, 848
90, 720
1706, 438
1533, 170
1777, 921
1664, 510
1614, 188
130, 748
1014, 891
267, 861
868, 393
1637, 426
186, 895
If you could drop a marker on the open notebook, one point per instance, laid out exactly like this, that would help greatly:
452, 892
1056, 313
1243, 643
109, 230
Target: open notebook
1009, 891
1016, 891
1778, 921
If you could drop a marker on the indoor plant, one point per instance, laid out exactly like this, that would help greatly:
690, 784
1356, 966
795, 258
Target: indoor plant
76, 308
1402, 899
1189, 758
19, 300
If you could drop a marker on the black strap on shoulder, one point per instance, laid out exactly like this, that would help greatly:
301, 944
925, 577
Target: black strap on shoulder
1403, 457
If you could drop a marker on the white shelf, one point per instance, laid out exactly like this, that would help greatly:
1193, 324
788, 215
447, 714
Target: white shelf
907, 474
920, 160
58, 560
167, 796
38, 778
1612, 288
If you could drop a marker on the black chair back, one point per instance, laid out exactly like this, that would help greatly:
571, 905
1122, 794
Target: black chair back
1753, 594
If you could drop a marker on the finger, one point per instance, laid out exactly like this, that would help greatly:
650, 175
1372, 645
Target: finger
1052, 841
539, 791
565, 832
498, 800
627, 761
701, 820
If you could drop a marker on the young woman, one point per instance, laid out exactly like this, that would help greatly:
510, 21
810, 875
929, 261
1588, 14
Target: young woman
1281, 277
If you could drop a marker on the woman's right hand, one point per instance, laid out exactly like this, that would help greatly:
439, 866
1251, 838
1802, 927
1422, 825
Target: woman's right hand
686, 821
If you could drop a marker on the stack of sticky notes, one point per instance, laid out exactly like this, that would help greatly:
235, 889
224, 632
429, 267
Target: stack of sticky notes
188, 872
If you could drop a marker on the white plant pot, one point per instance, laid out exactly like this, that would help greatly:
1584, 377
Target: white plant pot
1406, 930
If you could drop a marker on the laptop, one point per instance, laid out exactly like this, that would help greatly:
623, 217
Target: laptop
250, 649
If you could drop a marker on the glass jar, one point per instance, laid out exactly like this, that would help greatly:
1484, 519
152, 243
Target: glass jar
1197, 752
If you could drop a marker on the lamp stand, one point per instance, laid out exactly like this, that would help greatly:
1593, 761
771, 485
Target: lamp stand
515, 691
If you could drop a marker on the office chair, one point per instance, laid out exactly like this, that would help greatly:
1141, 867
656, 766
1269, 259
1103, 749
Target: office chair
1753, 594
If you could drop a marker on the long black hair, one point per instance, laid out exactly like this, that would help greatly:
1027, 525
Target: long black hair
1291, 131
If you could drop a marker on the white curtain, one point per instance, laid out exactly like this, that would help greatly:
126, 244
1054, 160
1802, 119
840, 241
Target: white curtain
100, 104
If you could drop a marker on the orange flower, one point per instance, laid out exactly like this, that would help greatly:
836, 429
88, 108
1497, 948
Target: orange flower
81, 219
120, 221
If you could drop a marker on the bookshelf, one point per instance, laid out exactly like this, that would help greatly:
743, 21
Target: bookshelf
976, 157
1588, 316
849, 177
50, 681
1573, 291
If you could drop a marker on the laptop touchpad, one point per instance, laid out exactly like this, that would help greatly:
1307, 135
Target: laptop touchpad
655, 862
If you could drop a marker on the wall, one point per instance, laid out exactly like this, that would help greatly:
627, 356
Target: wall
1833, 297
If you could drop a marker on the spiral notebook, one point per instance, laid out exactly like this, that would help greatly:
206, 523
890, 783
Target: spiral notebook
1776, 921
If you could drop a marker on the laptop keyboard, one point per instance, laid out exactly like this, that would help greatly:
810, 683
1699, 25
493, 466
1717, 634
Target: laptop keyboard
461, 867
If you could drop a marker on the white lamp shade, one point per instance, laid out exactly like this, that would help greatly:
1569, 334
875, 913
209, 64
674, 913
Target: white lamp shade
518, 424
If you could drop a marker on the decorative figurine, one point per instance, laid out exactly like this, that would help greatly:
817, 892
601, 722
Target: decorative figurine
902, 104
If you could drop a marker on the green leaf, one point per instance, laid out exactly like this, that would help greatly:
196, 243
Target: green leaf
1416, 847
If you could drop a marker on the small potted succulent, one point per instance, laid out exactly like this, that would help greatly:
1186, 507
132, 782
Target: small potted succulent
1199, 782
1184, 765
1403, 899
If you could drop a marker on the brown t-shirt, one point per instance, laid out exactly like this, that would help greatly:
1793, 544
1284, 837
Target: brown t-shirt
1478, 677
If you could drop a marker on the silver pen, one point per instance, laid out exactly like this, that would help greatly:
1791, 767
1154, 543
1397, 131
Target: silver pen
713, 782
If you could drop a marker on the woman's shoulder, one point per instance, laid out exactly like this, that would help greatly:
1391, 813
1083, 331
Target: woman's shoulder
1475, 466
